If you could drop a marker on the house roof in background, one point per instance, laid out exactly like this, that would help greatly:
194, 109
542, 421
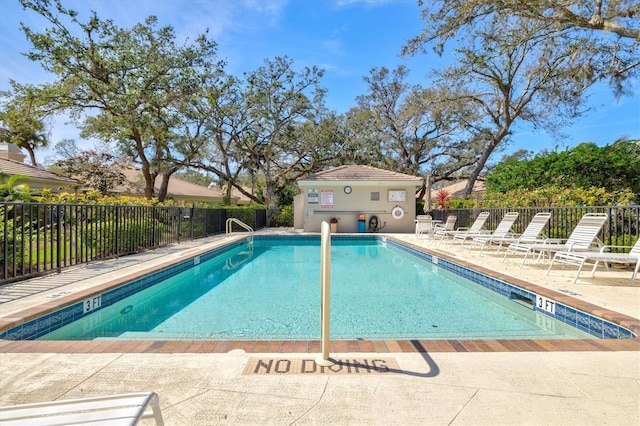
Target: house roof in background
177, 187
235, 193
12, 167
456, 190
359, 173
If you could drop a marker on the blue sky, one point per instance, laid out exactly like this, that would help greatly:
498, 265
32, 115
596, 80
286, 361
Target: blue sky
345, 37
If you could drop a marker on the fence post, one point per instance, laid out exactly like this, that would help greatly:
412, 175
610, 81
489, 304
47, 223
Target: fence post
193, 213
5, 258
117, 223
58, 245
179, 218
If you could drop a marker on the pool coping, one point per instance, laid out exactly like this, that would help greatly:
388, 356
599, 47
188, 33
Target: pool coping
313, 346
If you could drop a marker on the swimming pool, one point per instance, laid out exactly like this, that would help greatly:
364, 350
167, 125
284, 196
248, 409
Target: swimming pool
243, 291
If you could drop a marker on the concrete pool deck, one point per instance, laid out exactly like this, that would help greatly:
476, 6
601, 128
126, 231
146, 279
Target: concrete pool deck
521, 386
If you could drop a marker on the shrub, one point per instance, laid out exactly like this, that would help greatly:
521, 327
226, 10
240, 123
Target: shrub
462, 203
284, 217
442, 199
557, 197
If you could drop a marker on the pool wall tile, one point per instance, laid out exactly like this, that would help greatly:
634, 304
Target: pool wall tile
581, 320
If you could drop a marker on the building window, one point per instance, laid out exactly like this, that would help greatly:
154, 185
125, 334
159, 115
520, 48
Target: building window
375, 196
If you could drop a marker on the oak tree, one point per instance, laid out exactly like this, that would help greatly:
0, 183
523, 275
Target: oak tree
124, 85
607, 32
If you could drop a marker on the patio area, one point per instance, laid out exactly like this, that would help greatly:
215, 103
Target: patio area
446, 385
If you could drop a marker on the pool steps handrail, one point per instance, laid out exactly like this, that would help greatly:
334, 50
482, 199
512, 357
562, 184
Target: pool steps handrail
229, 227
325, 291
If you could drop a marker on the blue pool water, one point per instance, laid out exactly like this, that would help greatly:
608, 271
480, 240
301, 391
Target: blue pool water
271, 290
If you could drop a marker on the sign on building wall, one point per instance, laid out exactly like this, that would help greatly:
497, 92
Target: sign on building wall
312, 196
397, 195
326, 198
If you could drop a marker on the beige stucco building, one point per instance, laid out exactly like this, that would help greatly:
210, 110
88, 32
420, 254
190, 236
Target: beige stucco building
355, 194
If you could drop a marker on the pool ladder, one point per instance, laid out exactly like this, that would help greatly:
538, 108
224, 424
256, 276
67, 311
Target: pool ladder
247, 228
240, 258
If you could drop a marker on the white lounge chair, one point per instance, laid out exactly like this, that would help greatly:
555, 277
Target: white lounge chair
604, 256
530, 235
502, 230
474, 228
424, 225
582, 238
124, 409
442, 228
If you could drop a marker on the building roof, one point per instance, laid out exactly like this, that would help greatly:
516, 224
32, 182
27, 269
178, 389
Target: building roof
177, 188
456, 190
359, 173
35, 174
235, 193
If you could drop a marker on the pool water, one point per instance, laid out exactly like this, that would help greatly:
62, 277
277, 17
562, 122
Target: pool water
271, 290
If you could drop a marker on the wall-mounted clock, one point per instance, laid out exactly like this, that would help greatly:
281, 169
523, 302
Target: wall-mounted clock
347, 190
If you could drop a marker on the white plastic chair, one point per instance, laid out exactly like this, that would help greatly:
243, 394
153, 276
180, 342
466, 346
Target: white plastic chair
424, 225
581, 239
531, 234
502, 230
473, 229
476, 228
441, 229
579, 258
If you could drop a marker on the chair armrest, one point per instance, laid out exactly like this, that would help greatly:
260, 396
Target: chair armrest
554, 240
604, 249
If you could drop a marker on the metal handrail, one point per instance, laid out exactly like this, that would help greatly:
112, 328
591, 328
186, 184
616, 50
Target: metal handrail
229, 227
325, 289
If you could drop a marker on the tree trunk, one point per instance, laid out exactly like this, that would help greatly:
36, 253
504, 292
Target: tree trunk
32, 155
164, 186
482, 161
149, 179
227, 196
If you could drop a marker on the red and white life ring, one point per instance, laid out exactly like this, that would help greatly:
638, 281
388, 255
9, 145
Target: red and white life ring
397, 212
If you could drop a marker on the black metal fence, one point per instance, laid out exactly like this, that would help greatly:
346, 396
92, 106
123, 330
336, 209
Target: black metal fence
622, 227
39, 238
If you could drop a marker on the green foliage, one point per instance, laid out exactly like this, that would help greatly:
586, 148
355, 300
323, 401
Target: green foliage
613, 167
196, 177
570, 24
245, 214
23, 119
462, 203
286, 195
622, 241
10, 190
96, 197
277, 99
137, 83
553, 196
101, 171
284, 217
